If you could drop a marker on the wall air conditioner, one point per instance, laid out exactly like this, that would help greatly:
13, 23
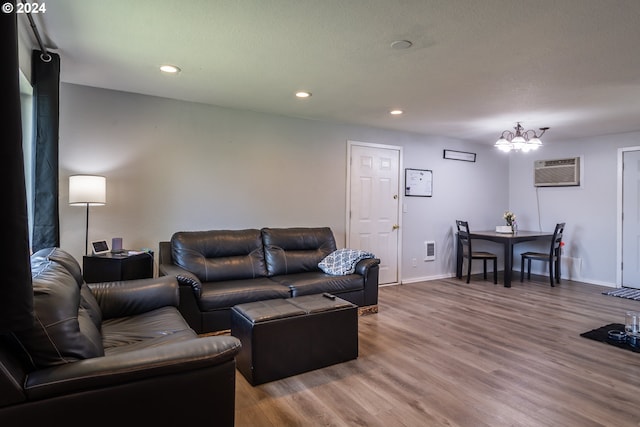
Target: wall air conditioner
557, 173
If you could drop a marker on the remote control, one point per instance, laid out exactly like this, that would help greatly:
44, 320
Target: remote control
328, 295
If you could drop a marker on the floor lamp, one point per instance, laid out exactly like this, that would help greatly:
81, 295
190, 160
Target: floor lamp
87, 190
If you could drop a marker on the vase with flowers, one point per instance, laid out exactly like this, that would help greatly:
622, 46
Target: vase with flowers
510, 218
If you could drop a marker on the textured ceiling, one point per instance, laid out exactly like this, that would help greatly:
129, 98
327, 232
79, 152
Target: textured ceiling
475, 67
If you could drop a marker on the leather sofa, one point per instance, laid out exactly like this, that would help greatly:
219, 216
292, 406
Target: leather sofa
218, 269
109, 354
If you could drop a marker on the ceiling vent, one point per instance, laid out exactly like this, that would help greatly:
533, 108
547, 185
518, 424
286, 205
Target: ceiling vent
557, 173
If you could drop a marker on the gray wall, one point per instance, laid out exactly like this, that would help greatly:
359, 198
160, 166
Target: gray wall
590, 210
173, 165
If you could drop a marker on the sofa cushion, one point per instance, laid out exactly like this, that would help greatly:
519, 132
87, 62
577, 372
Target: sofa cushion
319, 282
343, 261
62, 332
226, 294
220, 254
296, 250
90, 305
144, 330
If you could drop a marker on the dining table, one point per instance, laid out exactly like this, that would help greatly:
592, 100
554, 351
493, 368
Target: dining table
508, 240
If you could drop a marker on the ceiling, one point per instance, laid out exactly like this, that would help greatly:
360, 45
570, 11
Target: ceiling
474, 69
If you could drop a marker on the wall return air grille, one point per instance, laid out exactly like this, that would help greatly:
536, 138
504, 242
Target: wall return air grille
429, 250
557, 173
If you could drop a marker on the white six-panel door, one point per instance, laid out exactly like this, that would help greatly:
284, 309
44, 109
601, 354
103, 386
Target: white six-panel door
373, 205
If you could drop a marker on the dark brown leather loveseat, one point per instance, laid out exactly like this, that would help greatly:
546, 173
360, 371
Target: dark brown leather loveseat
111, 354
218, 269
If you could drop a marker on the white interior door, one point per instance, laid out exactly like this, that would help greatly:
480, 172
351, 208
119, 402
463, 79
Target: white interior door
373, 206
631, 219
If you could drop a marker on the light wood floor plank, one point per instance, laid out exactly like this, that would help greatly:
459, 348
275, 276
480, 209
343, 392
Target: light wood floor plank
447, 353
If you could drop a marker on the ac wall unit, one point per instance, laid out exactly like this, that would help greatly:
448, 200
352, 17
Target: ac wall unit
557, 173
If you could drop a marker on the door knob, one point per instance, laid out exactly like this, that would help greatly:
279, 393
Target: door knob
395, 197
395, 227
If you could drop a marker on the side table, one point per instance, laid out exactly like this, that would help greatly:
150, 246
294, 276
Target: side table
111, 267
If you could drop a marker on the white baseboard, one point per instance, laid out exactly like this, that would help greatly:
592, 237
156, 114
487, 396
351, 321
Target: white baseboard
427, 278
514, 277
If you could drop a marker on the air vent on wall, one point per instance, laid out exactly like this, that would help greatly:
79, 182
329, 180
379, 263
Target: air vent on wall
557, 173
429, 250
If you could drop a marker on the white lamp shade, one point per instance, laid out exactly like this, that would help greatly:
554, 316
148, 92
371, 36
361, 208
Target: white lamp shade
87, 190
535, 143
502, 142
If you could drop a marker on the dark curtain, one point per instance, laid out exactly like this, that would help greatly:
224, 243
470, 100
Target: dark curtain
16, 293
46, 84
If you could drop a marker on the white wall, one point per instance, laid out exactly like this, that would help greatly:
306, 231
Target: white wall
173, 165
590, 211
25, 46
472, 191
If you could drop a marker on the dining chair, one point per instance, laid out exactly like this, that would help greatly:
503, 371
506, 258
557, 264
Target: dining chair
552, 257
465, 243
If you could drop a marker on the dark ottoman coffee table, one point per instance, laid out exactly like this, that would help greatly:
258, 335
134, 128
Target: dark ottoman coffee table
284, 337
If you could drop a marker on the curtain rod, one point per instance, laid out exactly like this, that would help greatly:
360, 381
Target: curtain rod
45, 54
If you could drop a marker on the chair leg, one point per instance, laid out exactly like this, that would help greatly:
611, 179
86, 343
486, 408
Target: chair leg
551, 272
495, 271
468, 270
529, 269
521, 268
484, 264
558, 270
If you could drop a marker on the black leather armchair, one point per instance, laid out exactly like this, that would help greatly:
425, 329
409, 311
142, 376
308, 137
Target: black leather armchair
112, 354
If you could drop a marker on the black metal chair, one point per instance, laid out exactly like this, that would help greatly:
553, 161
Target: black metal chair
465, 243
552, 257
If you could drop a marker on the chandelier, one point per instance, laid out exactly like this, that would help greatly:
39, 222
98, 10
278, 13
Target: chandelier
521, 140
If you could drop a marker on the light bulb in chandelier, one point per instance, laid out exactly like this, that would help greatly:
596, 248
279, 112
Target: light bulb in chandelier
520, 140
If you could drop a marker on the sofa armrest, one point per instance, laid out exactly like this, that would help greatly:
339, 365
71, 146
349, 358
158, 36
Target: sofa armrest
363, 266
123, 368
369, 268
184, 277
126, 298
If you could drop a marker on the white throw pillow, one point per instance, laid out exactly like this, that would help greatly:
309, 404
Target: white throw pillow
343, 261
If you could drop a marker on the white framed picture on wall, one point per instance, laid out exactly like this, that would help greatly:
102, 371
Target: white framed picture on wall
418, 182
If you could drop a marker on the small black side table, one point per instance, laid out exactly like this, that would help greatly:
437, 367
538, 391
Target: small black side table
117, 266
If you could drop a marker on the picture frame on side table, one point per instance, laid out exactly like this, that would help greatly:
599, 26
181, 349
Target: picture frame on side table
418, 182
100, 247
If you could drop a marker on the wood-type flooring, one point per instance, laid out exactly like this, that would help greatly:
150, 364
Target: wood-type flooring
447, 353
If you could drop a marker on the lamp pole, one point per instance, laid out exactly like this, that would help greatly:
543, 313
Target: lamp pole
86, 233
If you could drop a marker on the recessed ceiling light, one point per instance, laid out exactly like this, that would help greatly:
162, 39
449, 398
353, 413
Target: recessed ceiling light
396, 112
170, 69
303, 94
